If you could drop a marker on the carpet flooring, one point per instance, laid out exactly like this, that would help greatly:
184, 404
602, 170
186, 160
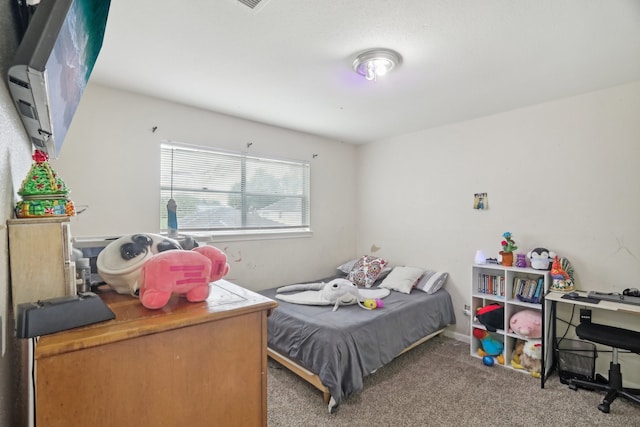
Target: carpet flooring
439, 384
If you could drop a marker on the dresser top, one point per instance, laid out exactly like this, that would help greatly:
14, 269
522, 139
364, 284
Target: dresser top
133, 319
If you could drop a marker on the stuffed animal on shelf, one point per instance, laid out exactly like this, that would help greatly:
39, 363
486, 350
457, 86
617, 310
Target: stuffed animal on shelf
183, 272
527, 352
526, 323
540, 258
527, 355
490, 346
491, 316
516, 353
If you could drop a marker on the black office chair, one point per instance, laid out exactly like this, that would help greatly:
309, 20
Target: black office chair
617, 338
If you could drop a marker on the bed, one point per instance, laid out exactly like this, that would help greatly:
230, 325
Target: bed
335, 350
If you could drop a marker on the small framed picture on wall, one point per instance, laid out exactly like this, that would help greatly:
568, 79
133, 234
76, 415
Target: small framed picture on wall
480, 201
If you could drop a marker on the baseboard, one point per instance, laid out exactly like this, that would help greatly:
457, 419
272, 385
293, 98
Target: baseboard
458, 336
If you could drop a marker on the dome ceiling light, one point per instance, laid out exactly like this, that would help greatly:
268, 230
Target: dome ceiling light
376, 62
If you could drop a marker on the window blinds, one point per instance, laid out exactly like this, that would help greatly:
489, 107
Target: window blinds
216, 190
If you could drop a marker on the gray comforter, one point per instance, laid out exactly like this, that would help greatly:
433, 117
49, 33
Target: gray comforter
344, 346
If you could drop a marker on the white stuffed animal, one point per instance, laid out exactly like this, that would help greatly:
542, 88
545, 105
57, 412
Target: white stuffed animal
341, 291
531, 357
336, 292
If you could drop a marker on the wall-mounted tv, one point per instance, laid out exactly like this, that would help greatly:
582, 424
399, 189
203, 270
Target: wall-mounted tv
52, 65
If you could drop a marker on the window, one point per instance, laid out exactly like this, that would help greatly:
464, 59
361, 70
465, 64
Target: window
216, 190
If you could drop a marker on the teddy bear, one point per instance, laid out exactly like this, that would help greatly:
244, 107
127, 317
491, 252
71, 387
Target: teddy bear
516, 353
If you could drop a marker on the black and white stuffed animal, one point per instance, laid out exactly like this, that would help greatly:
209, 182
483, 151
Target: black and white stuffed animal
541, 258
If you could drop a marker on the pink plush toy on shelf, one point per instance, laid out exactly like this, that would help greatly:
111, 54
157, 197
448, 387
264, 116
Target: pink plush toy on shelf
526, 323
182, 272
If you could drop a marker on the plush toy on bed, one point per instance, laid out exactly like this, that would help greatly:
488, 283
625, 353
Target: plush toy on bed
183, 272
373, 303
337, 292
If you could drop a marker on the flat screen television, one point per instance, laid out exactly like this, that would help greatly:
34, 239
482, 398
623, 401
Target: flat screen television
52, 65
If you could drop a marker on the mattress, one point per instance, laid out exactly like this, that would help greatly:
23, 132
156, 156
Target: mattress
344, 346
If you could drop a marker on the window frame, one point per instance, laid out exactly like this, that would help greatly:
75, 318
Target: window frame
243, 231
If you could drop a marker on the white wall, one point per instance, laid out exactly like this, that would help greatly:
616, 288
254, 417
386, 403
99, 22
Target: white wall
562, 175
15, 160
111, 163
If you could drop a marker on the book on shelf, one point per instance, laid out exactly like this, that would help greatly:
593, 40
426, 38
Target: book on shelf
491, 284
527, 289
539, 289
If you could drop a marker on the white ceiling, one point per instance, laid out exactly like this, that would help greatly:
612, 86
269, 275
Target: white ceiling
288, 62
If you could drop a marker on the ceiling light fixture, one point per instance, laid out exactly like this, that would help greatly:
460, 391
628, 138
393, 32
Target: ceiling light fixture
376, 62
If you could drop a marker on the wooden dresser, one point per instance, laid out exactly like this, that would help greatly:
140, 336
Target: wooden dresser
188, 364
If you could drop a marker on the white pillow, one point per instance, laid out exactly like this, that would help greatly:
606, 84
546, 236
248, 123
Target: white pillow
402, 279
431, 281
347, 266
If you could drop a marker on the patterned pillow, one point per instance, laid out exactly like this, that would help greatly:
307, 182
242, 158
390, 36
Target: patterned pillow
366, 270
348, 266
431, 281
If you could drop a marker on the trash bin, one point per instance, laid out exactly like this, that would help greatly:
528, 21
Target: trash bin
576, 360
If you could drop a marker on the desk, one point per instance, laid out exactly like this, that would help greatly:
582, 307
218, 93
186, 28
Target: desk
187, 364
549, 323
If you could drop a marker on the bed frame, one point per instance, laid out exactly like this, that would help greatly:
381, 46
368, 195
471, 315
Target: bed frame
314, 379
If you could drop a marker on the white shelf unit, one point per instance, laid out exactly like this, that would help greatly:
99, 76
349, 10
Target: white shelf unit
508, 299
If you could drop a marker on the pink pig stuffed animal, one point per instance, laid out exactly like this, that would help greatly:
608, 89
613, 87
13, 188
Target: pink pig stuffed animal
182, 272
526, 323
